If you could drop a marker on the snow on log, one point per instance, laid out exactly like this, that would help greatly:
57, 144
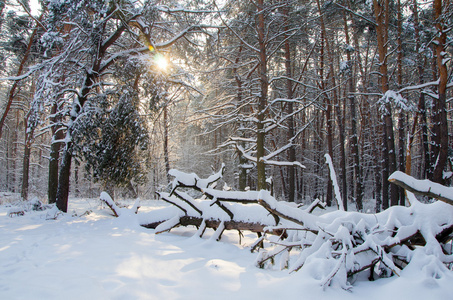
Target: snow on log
333, 177
207, 223
232, 196
110, 203
348, 243
173, 201
201, 229
332, 246
188, 199
422, 187
168, 225
218, 232
192, 180
283, 210
231, 210
317, 203
118, 211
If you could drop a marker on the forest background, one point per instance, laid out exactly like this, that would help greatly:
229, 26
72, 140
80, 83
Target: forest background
110, 95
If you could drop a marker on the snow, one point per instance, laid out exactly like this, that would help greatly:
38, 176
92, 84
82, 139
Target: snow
423, 185
344, 66
399, 101
333, 177
89, 254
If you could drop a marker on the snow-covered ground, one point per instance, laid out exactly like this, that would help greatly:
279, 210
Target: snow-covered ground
97, 256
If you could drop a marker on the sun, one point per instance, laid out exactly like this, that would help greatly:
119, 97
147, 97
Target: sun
161, 62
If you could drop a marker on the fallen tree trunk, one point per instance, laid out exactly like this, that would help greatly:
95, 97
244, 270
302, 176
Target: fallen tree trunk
422, 187
212, 223
338, 244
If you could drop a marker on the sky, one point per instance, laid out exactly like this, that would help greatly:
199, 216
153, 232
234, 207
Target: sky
34, 5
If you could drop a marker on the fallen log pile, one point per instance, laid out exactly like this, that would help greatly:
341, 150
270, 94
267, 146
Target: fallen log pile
333, 247
216, 209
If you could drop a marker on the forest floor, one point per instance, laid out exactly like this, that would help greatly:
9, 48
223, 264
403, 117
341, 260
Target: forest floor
89, 254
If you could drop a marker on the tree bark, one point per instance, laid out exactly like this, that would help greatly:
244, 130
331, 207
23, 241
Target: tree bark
14, 156
440, 126
55, 147
52, 183
214, 224
357, 179
262, 99
65, 166
382, 11
63, 180
2, 7
328, 103
290, 109
421, 63
378, 185
401, 116
26, 163
166, 155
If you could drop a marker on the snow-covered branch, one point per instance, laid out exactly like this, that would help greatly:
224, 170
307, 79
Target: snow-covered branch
422, 187
333, 177
118, 211
192, 180
338, 244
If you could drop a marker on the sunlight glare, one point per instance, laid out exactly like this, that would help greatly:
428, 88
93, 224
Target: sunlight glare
161, 62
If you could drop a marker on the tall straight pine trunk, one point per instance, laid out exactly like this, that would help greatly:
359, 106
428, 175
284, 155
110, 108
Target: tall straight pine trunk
328, 102
262, 99
382, 12
440, 126
290, 110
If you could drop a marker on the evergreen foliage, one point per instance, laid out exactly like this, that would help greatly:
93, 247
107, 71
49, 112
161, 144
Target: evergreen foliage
112, 138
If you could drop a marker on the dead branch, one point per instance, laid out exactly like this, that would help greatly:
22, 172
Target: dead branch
277, 213
110, 203
423, 187
213, 224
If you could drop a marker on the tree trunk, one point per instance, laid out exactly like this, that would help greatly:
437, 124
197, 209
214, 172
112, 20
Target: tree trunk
301, 186
53, 172
262, 100
14, 156
55, 147
401, 116
63, 180
421, 64
382, 11
26, 163
65, 166
76, 179
2, 7
166, 155
357, 178
378, 185
328, 102
290, 109
440, 126
340, 121
29, 128
385, 169
131, 190
242, 160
